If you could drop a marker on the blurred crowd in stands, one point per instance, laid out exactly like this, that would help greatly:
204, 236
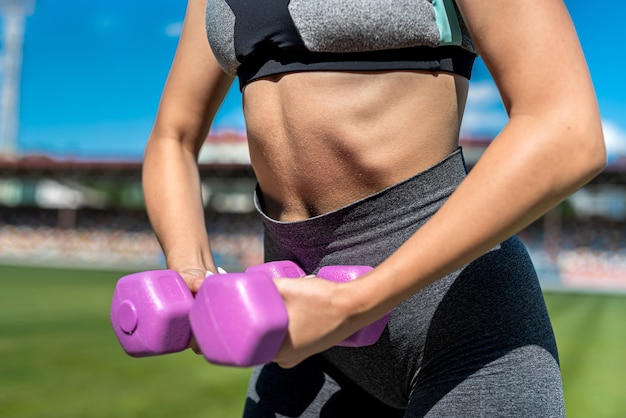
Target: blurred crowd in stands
579, 253
588, 253
114, 238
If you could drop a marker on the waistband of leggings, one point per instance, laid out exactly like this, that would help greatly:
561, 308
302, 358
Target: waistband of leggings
419, 191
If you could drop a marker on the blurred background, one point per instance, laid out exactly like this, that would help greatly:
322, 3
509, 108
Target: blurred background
79, 87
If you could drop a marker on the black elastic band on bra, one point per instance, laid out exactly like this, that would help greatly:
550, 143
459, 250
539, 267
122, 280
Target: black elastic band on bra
448, 59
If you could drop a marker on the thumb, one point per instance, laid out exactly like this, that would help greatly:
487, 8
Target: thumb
193, 278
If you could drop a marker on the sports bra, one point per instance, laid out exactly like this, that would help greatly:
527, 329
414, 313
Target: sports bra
252, 39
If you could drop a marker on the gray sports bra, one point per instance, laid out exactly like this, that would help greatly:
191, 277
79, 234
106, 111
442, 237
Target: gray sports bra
254, 38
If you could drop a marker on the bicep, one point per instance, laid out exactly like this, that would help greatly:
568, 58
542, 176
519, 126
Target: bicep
532, 51
196, 85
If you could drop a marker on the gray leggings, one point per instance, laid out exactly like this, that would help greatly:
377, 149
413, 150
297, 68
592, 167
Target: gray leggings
476, 343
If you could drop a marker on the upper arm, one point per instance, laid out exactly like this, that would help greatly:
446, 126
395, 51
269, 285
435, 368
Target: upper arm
532, 51
195, 87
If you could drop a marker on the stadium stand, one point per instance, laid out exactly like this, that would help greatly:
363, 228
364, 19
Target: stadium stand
581, 244
115, 239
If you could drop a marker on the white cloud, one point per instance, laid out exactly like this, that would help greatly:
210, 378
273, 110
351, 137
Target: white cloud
173, 29
614, 138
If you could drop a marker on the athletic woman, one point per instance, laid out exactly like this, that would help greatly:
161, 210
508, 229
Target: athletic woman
353, 111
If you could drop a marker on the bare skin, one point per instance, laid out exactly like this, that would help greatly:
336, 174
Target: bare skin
333, 138
319, 141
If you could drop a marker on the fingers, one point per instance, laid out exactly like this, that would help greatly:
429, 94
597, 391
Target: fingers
288, 357
194, 277
193, 344
287, 365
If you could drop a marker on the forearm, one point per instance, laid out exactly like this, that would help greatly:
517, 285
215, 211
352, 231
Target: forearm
172, 191
194, 90
528, 169
551, 146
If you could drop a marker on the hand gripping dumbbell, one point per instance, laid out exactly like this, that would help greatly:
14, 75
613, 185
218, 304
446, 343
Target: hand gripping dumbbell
150, 309
372, 332
241, 319
150, 313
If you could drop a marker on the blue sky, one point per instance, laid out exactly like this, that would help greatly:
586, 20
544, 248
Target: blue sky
92, 75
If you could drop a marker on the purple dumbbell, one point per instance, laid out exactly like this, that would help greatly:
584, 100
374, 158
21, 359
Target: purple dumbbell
150, 309
241, 320
150, 313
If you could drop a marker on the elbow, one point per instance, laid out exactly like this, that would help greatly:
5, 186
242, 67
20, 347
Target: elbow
594, 149
598, 162
587, 149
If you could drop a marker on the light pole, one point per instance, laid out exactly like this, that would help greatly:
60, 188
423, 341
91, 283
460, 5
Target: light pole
13, 14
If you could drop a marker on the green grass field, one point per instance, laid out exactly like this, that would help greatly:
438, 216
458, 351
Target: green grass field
59, 356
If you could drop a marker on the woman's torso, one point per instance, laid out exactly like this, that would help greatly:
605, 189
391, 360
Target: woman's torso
322, 132
321, 140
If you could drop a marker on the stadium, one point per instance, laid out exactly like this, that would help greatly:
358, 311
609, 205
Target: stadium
73, 222
92, 213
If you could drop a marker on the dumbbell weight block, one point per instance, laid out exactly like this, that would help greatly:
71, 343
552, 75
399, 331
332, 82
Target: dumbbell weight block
369, 334
149, 313
240, 319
